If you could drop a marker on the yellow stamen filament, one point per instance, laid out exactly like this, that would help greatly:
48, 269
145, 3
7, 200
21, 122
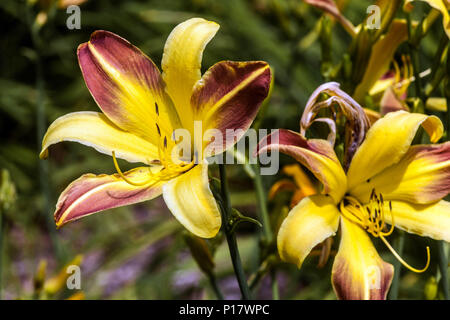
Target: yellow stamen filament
168, 172
371, 217
137, 184
169, 169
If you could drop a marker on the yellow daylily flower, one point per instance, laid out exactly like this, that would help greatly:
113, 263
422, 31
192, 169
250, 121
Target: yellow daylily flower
141, 111
388, 182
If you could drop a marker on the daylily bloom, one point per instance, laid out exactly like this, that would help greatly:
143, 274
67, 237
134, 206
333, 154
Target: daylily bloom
388, 181
141, 110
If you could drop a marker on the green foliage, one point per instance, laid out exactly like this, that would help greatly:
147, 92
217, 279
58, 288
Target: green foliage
139, 251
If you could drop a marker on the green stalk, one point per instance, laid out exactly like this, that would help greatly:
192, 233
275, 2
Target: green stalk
1, 251
413, 52
443, 259
399, 244
231, 238
275, 290
43, 166
443, 266
264, 216
213, 281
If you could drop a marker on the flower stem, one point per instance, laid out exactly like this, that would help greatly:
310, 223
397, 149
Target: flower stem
231, 238
1, 250
443, 259
264, 216
443, 266
399, 244
213, 281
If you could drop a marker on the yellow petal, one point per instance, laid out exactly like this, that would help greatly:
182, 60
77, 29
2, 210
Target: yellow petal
96, 130
436, 104
386, 143
358, 271
311, 221
438, 5
381, 56
315, 154
127, 86
421, 176
227, 98
191, 201
428, 220
181, 62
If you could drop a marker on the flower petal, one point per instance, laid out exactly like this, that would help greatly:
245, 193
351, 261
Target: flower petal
310, 222
228, 96
421, 176
330, 7
316, 155
96, 130
191, 201
390, 102
127, 86
438, 5
427, 220
181, 62
387, 141
436, 104
93, 193
358, 271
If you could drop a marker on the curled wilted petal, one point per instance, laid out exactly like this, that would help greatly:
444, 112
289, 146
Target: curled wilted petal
357, 125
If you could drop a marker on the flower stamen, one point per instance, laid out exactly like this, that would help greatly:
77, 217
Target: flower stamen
371, 217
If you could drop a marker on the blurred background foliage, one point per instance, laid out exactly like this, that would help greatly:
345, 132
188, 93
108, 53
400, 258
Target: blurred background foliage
140, 251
